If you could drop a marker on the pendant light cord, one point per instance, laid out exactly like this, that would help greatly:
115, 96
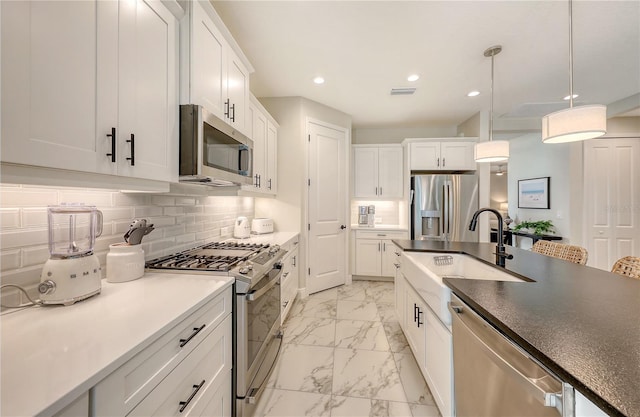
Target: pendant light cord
491, 103
570, 54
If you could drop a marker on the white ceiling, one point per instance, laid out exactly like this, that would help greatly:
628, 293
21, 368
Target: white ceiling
365, 48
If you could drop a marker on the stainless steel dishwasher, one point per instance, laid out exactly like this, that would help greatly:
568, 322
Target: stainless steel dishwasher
495, 377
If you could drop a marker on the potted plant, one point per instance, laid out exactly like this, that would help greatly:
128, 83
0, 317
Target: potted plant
540, 227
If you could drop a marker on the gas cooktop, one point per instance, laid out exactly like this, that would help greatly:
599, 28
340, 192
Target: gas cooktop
215, 257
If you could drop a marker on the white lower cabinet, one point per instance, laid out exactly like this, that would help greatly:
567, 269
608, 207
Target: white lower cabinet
289, 280
80, 407
430, 341
375, 252
186, 371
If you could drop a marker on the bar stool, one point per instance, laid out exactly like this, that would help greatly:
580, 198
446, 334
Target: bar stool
571, 253
629, 266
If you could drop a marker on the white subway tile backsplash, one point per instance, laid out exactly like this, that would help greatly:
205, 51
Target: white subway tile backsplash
173, 230
185, 201
23, 237
147, 211
161, 200
10, 259
117, 214
88, 197
34, 217
10, 218
181, 222
35, 255
173, 211
20, 197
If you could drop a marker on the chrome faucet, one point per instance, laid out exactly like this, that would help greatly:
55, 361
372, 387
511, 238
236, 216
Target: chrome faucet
501, 253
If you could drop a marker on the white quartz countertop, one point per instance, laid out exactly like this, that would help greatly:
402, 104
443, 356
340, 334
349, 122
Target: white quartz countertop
51, 355
390, 227
275, 238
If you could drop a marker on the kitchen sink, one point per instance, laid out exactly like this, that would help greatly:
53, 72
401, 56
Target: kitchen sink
459, 266
425, 271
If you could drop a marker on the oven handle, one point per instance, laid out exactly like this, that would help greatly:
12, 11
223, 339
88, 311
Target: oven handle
254, 295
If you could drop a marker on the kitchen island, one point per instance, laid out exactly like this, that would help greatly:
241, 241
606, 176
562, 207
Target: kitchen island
580, 322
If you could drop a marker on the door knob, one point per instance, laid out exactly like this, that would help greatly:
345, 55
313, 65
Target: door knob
343, 227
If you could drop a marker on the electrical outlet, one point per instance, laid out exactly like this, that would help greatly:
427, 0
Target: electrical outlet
225, 230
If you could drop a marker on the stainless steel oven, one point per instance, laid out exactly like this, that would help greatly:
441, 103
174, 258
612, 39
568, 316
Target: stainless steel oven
258, 338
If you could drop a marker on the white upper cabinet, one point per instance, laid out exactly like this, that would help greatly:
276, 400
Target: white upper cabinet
74, 72
214, 75
441, 155
264, 133
378, 171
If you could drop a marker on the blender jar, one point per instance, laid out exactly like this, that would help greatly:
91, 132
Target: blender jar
73, 230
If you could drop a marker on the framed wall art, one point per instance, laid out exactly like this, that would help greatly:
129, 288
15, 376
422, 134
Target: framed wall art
533, 193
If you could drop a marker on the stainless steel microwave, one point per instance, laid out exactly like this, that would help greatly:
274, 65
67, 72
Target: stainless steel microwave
211, 151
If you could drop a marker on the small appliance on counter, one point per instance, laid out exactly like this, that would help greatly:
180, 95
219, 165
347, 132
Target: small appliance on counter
261, 226
363, 217
72, 273
371, 216
241, 228
125, 260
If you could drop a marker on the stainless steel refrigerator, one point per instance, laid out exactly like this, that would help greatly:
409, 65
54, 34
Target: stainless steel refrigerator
442, 206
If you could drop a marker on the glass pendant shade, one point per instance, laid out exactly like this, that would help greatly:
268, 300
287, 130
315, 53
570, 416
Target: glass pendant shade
491, 151
574, 124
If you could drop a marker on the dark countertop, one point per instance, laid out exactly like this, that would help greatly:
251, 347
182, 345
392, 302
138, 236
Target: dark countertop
580, 322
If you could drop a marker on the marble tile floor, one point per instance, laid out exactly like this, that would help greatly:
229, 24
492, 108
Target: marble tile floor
344, 354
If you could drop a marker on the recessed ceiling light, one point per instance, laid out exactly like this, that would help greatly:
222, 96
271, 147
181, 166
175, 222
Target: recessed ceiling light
318, 80
567, 97
413, 77
473, 93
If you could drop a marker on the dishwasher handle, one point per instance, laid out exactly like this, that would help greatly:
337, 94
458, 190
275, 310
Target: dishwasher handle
548, 399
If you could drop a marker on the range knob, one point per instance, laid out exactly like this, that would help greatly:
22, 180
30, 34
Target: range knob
244, 270
274, 248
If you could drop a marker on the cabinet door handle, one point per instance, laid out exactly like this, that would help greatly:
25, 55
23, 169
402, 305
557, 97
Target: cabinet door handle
185, 404
269, 183
112, 135
294, 261
259, 181
226, 109
397, 265
378, 246
415, 312
438, 161
233, 112
376, 190
384, 246
418, 317
285, 275
444, 162
196, 330
132, 143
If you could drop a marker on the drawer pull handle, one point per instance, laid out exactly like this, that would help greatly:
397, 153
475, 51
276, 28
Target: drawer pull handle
196, 388
196, 330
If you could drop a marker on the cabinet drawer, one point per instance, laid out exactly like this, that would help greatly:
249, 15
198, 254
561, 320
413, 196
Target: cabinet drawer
128, 385
194, 380
380, 234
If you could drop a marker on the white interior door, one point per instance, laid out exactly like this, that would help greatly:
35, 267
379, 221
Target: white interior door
327, 234
612, 198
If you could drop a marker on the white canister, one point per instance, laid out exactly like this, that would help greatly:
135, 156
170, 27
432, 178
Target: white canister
125, 262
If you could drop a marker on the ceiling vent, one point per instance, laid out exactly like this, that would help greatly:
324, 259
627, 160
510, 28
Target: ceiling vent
403, 91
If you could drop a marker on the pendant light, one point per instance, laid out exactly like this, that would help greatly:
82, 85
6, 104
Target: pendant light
575, 123
492, 150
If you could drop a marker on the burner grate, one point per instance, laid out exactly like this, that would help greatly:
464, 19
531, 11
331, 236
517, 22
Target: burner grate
216, 256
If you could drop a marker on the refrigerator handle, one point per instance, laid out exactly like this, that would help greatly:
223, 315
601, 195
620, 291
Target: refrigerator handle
445, 213
411, 197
